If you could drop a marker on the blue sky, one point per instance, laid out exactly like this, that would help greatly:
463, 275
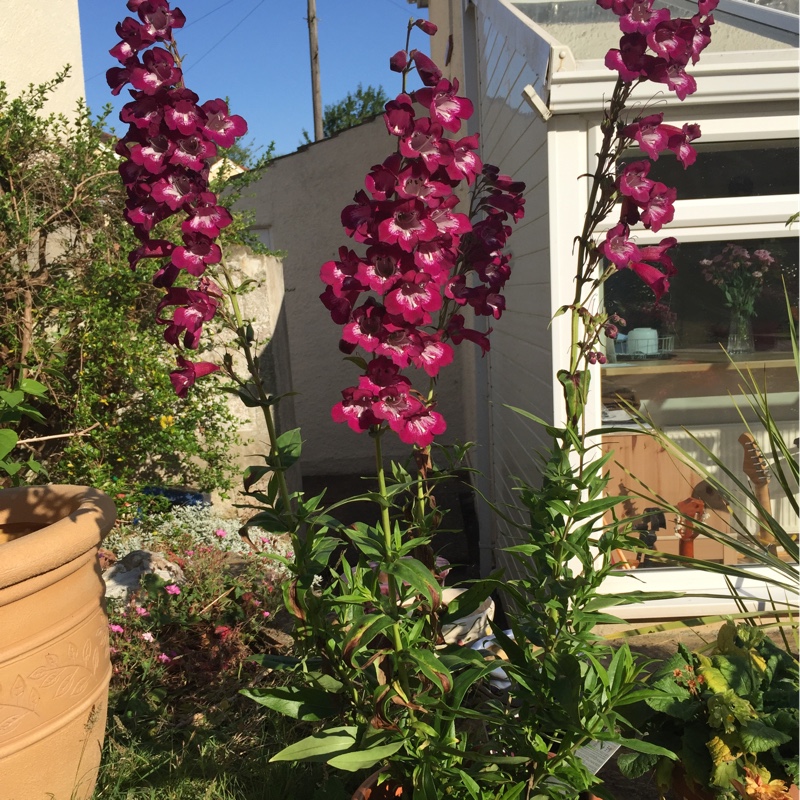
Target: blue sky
256, 53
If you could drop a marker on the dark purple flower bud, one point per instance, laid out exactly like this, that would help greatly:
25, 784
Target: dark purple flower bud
399, 61
428, 72
426, 26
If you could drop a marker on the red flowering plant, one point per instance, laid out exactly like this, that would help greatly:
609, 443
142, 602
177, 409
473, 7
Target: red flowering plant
568, 687
369, 623
167, 154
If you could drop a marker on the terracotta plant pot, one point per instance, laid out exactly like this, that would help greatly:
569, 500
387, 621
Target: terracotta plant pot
54, 661
369, 790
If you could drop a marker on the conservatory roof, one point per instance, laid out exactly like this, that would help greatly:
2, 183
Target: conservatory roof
740, 25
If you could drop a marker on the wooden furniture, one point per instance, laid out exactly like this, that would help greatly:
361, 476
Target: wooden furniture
640, 466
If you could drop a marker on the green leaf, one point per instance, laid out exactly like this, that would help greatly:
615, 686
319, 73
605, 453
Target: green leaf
634, 765
8, 441
300, 703
470, 785
254, 474
362, 633
758, 737
12, 398
433, 669
320, 746
30, 386
289, 445
354, 760
641, 746
418, 577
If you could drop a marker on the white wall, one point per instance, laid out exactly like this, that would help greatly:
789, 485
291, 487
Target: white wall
37, 39
520, 374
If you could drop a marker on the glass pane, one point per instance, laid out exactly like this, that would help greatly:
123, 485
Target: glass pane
731, 169
670, 363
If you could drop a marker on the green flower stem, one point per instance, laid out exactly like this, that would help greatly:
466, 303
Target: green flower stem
388, 539
252, 368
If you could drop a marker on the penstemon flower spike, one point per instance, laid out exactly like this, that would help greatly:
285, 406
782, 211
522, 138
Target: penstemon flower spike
167, 153
424, 260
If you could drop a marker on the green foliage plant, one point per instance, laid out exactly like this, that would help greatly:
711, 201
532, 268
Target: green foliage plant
358, 106
15, 406
72, 316
731, 716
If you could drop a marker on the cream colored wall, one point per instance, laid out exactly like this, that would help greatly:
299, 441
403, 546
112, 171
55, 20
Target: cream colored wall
37, 39
300, 199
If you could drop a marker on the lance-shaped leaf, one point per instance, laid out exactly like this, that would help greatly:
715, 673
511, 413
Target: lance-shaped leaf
362, 633
302, 703
433, 669
320, 746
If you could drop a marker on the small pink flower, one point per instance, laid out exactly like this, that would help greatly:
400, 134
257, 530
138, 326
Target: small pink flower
113, 650
164, 658
221, 532
142, 611
265, 614
190, 552
116, 628
172, 589
147, 636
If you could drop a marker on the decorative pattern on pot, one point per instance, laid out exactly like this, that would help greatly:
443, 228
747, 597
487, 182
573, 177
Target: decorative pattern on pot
54, 662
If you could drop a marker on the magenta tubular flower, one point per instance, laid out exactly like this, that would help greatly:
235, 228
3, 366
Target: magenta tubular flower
634, 183
220, 126
184, 378
420, 428
659, 209
617, 247
464, 162
651, 135
196, 252
425, 142
157, 71
356, 409
407, 225
193, 308
414, 299
181, 112
207, 217
444, 106
399, 116
641, 18
135, 38
159, 20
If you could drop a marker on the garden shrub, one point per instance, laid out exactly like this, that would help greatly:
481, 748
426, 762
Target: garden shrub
75, 318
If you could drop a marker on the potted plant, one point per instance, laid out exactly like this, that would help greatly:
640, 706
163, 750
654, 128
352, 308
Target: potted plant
731, 716
54, 665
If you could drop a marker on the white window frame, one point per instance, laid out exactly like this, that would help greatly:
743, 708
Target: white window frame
712, 219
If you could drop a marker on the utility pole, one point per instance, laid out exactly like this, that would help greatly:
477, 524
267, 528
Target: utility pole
313, 43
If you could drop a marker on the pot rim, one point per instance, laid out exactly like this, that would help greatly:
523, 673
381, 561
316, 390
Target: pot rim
74, 520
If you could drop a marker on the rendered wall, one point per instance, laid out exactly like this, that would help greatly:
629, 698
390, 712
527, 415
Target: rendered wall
53, 25
298, 204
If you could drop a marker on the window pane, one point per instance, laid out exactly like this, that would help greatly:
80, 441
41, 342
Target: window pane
669, 362
731, 169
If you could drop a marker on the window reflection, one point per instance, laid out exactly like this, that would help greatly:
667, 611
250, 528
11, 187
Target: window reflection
731, 169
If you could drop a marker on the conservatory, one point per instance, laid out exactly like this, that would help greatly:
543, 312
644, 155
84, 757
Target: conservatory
536, 72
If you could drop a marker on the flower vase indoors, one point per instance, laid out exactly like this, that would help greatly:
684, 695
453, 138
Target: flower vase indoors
54, 661
740, 277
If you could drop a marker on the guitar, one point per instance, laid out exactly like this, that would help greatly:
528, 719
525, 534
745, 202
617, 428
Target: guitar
757, 471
